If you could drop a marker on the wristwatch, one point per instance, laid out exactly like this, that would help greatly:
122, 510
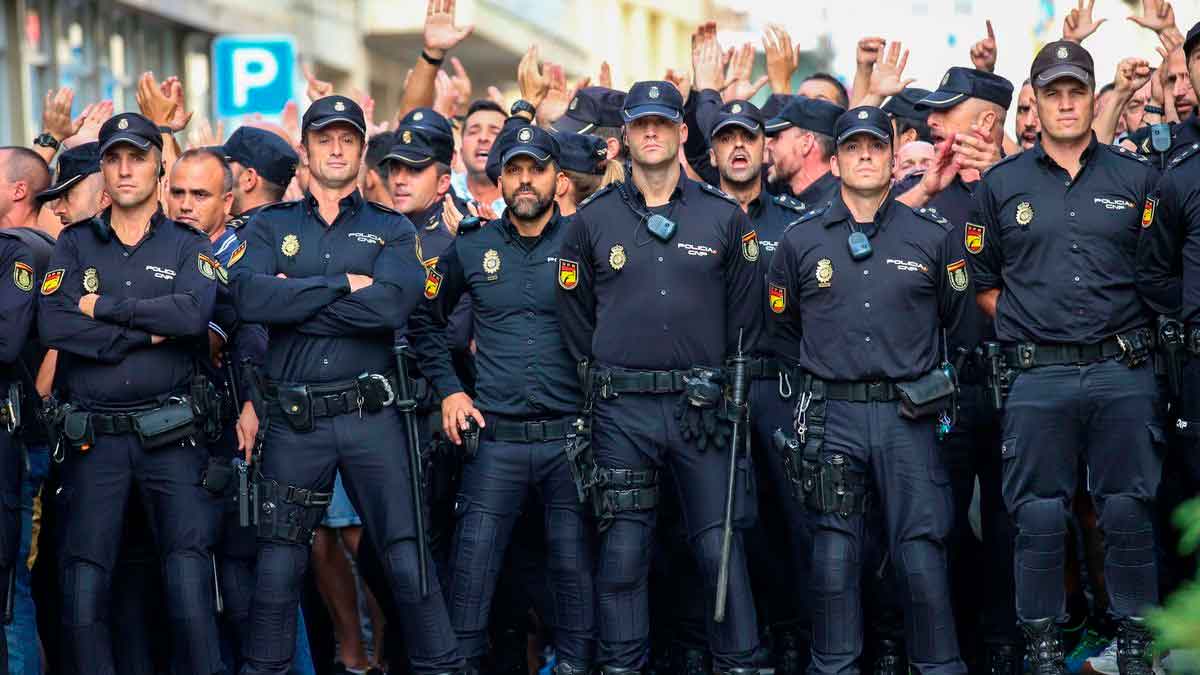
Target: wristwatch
46, 140
1154, 109
522, 106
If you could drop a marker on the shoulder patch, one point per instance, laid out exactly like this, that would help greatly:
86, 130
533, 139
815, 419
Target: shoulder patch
714, 190
433, 283
1121, 151
604, 190
237, 254
789, 203
467, 227
931, 215
52, 281
22, 276
207, 266
1184, 155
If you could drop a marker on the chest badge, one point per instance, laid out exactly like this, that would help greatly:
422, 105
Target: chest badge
290, 246
957, 273
568, 274
824, 273
973, 239
22, 276
1024, 213
491, 264
617, 257
91, 280
750, 246
778, 298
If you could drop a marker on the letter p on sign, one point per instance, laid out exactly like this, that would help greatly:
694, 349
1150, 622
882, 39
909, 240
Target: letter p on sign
252, 74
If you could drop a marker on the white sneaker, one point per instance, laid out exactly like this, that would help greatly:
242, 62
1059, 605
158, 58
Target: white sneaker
1103, 664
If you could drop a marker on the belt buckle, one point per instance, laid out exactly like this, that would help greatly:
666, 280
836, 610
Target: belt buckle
535, 432
1025, 354
662, 382
875, 391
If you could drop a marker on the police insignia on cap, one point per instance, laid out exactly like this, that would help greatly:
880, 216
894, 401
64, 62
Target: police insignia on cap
1024, 213
91, 280
824, 273
1148, 212
524, 135
750, 246
973, 240
290, 246
433, 283
736, 108
957, 272
22, 276
778, 298
945, 79
1062, 53
207, 266
339, 106
653, 92
568, 274
862, 114
406, 137
123, 124
418, 116
616, 257
491, 263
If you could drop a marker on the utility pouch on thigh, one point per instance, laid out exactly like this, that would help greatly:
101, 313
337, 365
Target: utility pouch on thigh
289, 513
792, 452
927, 396
218, 476
837, 488
77, 430
297, 407
171, 424
580, 460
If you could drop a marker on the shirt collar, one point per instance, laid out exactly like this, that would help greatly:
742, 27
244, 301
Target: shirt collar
678, 193
430, 218
351, 203
838, 211
1039, 152
510, 230
103, 223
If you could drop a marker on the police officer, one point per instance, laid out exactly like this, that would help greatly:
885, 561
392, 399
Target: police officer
418, 177
263, 165
78, 190
857, 435
527, 415
595, 111
1051, 242
333, 277
126, 302
683, 253
968, 104
801, 144
583, 159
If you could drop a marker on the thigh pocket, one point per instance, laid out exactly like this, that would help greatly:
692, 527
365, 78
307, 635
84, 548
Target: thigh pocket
1158, 438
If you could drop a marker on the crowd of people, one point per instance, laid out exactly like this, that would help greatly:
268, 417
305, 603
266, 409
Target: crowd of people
652, 380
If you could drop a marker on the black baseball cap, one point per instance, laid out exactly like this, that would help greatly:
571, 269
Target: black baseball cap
904, 104
865, 119
592, 107
530, 141
738, 113
653, 97
959, 84
132, 128
263, 151
813, 114
330, 109
1192, 39
418, 148
1062, 59
74, 165
582, 153
429, 121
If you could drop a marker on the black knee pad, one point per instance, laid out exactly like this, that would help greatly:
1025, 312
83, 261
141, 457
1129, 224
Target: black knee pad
1128, 530
1041, 526
85, 594
835, 595
922, 562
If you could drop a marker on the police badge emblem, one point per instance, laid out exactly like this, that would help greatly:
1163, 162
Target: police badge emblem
736, 108
491, 263
433, 283
1062, 53
123, 124
824, 273
207, 266
524, 135
418, 116
406, 137
653, 92
957, 272
22, 276
862, 114
616, 257
339, 106
750, 246
290, 246
1024, 213
568, 274
91, 280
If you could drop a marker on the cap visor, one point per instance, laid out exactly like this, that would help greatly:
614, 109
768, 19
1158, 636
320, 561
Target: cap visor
323, 122
527, 151
1058, 72
132, 139
749, 125
939, 100
56, 191
637, 112
572, 125
411, 159
852, 131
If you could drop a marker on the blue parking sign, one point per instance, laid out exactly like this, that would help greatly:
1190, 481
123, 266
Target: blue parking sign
252, 74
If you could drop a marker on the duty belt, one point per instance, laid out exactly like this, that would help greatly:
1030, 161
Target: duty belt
641, 381
1027, 355
858, 392
331, 400
514, 431
763, 369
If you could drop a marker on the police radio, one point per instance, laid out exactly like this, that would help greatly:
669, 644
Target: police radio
859, 244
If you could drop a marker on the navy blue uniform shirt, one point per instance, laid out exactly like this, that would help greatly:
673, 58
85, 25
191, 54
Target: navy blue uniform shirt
771, 215
1168, 258
435, 238
628, 299
319, 331
524, 369
875, 319
163, 285
1061, 250
18, 302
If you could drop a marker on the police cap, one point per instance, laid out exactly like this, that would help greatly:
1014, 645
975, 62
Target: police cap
865, 119
959, 84
330, 109
653, 98
264, 151
418, 148
132, 128
1062, 59
738, 113
530, 141
1193, 39
904, 104
812, 114
74, 165
592, 107
582, 153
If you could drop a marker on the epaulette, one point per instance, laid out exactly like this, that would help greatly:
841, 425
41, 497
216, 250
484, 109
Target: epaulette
931, 215
1122, 151
807, 216
714, 190
1002, 162
386, 209
604, 190
237, 222
276, 206
190, 229
787, 202
469, 224
1183, 155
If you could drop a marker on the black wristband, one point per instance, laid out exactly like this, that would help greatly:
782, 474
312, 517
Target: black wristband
522, 106
430, 60
164, 129
1154, 110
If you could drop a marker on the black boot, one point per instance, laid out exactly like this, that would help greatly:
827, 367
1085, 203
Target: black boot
1043, 644
564, 668
1004, 659
1133, 644
786, 650
691, 661
888, 659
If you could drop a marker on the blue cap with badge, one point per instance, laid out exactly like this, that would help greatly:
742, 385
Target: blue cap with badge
742, 113
131, 128
533, 142
592, 107
74, 165
865, 119
330, 109
655, 97
582, 153
264, 151
959, 84
811, 114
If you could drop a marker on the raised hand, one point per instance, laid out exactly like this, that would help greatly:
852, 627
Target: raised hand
1079, 23
159, 108
172, 88
460, 80
681, 79
316, 88
1157, 15
708, 63
782, 59
888, 77
983, 53
94, 117
737, 78
1132, 74
554, 104
56, 114
440, 34
445, 97
605, 79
